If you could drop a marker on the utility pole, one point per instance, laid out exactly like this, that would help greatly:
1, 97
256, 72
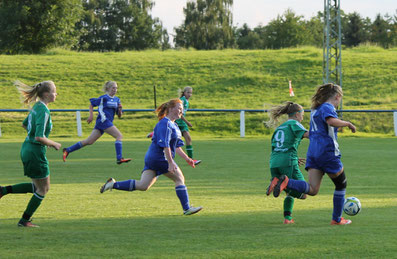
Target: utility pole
332, 45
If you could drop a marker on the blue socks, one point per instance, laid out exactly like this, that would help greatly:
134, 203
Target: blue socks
339, 200
128, 185
181, 192
119, 147
298, 185
75, 147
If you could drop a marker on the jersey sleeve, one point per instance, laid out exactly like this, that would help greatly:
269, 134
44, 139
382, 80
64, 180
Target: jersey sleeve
328, 111
25, 121
180, 143
95, 101
163, 133
41, 121
298, 129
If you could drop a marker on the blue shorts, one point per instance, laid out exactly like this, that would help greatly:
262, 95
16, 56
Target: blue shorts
160, 167
329, 165
101, 126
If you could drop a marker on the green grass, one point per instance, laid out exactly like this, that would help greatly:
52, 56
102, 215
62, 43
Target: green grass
228, 79
238, 220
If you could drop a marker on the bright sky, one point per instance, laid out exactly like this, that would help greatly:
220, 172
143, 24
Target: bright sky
255, 12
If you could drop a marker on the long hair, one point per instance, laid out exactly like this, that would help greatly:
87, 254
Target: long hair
324, 92
182, 93
288, 108
163, 109
32, 93
107, 85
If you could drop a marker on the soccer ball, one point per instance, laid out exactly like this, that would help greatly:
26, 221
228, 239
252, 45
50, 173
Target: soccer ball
352, 206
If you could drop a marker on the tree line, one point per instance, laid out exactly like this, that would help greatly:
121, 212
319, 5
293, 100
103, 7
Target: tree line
117, 25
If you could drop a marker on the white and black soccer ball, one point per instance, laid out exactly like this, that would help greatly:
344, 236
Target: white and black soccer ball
352, 206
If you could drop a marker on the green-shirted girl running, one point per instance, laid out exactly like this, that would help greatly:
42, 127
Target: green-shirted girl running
33, 152
284, 157
184, 124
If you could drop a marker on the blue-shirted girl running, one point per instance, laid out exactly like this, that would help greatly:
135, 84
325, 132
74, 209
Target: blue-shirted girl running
323, 155
108, 105
159, 159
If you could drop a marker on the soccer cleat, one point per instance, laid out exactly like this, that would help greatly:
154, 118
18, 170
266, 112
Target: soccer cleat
108, 185
65, 154
270, 188
123, 160
150, 135
287, 221
280, 186
196, 162
192, 210
341, 222
27, 224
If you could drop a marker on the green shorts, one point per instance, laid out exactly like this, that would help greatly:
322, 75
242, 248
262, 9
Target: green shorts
35, 163
293, 172
182, 125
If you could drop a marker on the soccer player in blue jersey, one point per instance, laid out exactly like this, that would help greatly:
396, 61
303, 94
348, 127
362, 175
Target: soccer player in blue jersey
284, 157
159, 159
108, 105
323, 155
38, 125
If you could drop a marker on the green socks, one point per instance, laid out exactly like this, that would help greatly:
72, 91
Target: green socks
288, 206
33, 204
189, 150
18, 188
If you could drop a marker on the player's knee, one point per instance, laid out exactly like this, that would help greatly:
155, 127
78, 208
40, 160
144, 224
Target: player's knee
340, 181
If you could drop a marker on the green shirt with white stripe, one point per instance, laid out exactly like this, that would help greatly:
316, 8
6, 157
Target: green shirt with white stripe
285, 142
38, 123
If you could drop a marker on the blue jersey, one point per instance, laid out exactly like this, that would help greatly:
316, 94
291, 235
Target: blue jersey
323, 137
107, 107
166, 134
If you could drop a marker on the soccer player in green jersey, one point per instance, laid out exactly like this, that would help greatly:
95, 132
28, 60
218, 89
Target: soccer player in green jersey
33, 152
284, 157
184, 124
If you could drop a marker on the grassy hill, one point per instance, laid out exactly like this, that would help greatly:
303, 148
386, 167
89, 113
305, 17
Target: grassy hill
229, 79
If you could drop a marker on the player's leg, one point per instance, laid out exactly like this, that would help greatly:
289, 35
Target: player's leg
148, 178
293, 173
92, 138
42, 187
189, 146
17, 188
118, 144
181, 191
340, 182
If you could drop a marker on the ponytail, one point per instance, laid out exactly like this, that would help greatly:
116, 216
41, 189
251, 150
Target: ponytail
32, 93
324, 92
288, 108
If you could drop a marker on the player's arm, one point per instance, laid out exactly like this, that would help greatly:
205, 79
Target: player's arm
335, 122
48, 142
171, 163
186, 121
182, 154
119, 110
306, 134
91, 116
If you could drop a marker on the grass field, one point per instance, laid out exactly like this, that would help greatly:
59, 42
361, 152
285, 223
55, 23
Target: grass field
238, 220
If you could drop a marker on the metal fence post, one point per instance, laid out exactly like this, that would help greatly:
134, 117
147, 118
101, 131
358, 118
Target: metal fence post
395, 123
242, 124
79, 128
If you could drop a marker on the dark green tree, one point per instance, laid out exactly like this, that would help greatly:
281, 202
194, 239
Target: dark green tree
248, 39
207, 25
120, 25
314, 30
354, 30
34, 26
381, 31
285, 31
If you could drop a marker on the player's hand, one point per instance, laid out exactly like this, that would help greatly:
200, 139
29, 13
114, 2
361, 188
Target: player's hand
351, 127
172, 167
189, 124
191, 162
56, 145
89, 120
301, 161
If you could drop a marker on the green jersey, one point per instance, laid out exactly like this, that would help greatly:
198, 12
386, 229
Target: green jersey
38, 123
185, 105
285, 141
